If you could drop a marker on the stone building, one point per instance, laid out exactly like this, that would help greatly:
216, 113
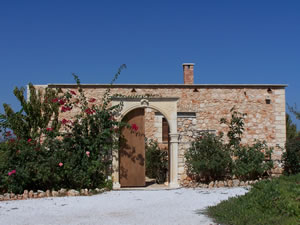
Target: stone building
174, 114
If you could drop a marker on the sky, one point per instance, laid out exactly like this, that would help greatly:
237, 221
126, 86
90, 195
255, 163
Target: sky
230, 42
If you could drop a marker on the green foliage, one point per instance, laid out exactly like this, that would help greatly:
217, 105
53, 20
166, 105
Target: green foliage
291, 129
236, 127
35, 114
292, 156
156, 162
268, 202
295, 111
250, 161
208, 157
43, 156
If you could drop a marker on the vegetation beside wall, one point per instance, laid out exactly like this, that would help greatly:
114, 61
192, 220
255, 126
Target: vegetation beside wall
210, 158
268, 202
156, 162
37, 154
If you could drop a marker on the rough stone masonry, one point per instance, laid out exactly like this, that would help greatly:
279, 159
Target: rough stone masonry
201, 106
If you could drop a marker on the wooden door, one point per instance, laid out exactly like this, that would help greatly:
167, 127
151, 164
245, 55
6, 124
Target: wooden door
132, 151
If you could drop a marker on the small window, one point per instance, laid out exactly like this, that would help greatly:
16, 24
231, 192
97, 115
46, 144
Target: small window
186, 114
165, 130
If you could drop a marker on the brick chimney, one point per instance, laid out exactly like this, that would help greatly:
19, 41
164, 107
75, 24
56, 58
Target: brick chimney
188, 73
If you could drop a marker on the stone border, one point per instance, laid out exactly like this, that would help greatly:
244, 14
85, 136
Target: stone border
44, 194
219, 184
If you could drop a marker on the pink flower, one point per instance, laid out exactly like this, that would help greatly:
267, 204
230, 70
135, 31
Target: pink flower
61, 101
92, 100
8, 134
49, 129
29, 140
73, 92
134, 127
60, 164
87, 153
55, 100
89, 111
65, 108
64, 121
11, 172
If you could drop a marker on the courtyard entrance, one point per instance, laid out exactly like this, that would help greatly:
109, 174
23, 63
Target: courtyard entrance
130, 159
132, 150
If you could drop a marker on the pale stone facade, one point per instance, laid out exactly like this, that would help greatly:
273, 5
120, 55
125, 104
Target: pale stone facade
190, 108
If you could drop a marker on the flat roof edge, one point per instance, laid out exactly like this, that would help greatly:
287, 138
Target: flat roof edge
167, 85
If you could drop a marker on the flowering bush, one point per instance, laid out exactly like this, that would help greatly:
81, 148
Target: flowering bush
41, 151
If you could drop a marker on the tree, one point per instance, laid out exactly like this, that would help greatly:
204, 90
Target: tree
294, 110
40, 111
291, 129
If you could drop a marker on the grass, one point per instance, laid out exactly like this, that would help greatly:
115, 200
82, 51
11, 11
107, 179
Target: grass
275, 202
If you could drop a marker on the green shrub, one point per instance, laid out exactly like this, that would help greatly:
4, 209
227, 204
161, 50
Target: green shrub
236, 127
156, 162
268, 202
292, 156
250, 162
208, 157
36, 154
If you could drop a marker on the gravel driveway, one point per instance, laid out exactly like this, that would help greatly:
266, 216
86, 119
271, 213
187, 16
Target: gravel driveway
180, 206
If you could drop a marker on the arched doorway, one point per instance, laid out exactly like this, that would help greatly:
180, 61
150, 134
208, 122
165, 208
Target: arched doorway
168, 107
132, 150
144, 149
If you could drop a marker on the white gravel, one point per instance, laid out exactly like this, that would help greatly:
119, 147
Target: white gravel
180, 206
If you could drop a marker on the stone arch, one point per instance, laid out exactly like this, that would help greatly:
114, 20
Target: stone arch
166, 106
123, 114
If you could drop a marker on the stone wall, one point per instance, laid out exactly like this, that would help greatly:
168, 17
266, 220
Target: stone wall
265, 122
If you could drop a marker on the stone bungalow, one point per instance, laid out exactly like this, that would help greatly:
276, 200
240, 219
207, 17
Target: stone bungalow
177, 112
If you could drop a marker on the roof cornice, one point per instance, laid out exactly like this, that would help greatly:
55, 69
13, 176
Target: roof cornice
168, 85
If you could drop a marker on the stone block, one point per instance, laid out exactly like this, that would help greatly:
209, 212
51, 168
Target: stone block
73, 192
30, 194
62, 192
48, 193
6, 196
235, 183
55, 193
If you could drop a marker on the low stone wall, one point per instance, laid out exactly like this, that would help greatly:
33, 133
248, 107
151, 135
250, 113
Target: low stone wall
42, 194
218, 184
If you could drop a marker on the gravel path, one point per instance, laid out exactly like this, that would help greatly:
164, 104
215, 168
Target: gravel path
174, 207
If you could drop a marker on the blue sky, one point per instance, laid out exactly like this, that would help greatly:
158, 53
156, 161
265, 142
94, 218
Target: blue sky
229, 41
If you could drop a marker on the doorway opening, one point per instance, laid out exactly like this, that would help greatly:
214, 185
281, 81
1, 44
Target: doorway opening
144, 156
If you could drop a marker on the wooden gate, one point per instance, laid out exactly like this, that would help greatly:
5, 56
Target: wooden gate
132, 150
